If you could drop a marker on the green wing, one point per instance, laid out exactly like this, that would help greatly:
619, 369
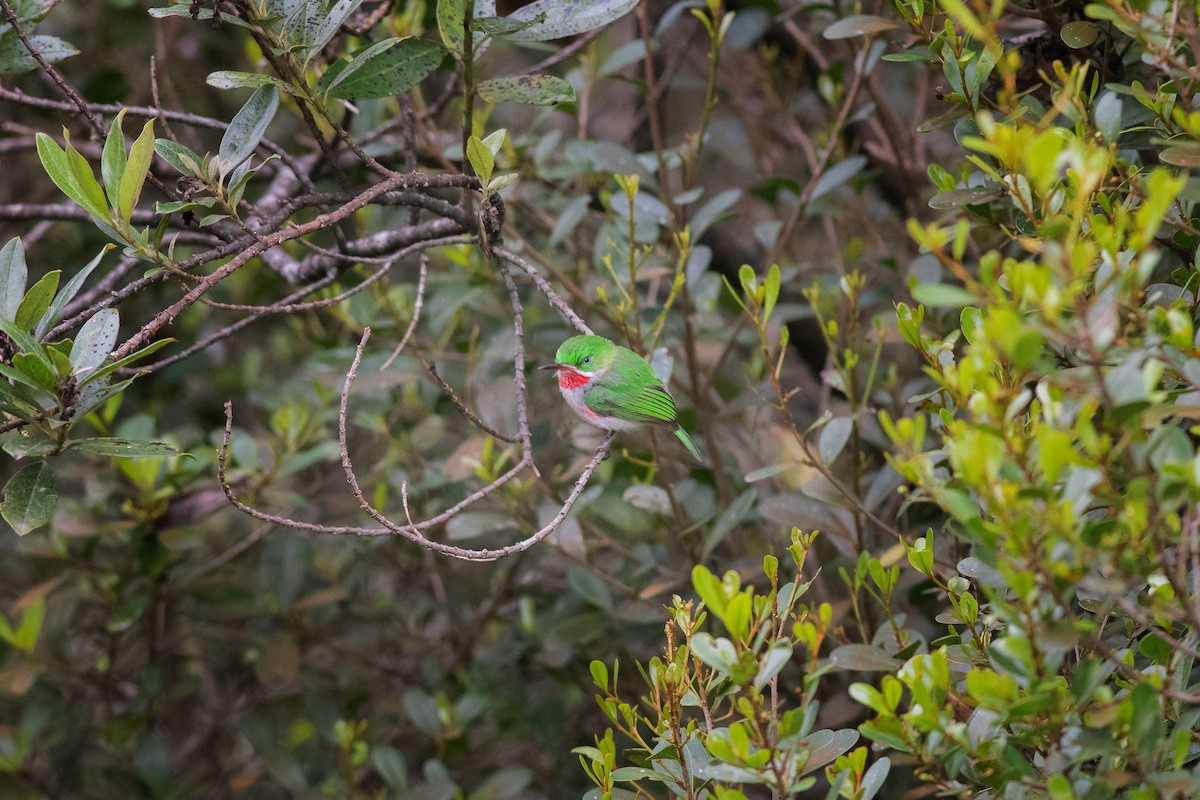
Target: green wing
647, 404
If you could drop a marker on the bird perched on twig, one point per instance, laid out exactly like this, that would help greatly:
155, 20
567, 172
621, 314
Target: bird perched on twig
613, 388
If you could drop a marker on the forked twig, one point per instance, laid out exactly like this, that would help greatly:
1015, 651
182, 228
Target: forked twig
410, 530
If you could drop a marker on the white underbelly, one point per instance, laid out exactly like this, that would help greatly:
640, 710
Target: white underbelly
574, 398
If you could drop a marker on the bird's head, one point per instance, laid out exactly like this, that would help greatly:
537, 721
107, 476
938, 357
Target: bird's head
580, 359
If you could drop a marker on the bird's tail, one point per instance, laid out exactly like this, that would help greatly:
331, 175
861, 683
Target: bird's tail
688, 443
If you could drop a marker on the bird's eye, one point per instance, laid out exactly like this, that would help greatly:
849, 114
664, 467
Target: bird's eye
587, 359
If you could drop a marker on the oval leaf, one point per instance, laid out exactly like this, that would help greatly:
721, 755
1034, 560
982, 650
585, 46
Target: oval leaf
384, 69
534, 90
860, 25
95, 341
1079, 34
568, 17
1182, 155
864, 658
29, 498
833, 438
942, 295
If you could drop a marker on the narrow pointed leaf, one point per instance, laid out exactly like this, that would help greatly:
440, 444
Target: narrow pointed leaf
113, 366
58, 164
18, 402
54, 313
29, 498
13, 275
185, 10
228, 79
37, 300
248, 126
334, 18
113, 160
140, 156
91, 195
123, 448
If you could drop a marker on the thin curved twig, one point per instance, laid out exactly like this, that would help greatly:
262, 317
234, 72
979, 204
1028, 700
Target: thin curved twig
431, 368
552, 297
416, 316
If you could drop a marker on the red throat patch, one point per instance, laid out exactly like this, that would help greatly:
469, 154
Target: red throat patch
570, 379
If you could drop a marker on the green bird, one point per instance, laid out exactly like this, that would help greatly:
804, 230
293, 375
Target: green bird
613, 388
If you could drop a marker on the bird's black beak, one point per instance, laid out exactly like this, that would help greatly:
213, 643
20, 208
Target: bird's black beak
554, 367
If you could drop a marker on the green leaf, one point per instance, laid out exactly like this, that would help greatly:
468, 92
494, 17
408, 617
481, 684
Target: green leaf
833, 439
591, 587
37, 368
837, 175
775, 659
227, 79
391, 766
15, 59
567, 17
956, 198
861, 25
503, 26
864, 658
708, 586
247, 127
495, 140
140, 156
719, 654
113, 161
826, 746
178, 156
536, 90
338, 13
648, 498
771, 293
29, 498
117, 447
95, 341
92, 195
15, 400
1079, 34
451, 15
942, 295
384, 69
874, 778
25, 342
54, 313
185, 10
13, 275
25, 637
37, 300
72, 175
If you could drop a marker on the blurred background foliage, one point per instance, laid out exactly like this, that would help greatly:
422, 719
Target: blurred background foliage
921, 275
